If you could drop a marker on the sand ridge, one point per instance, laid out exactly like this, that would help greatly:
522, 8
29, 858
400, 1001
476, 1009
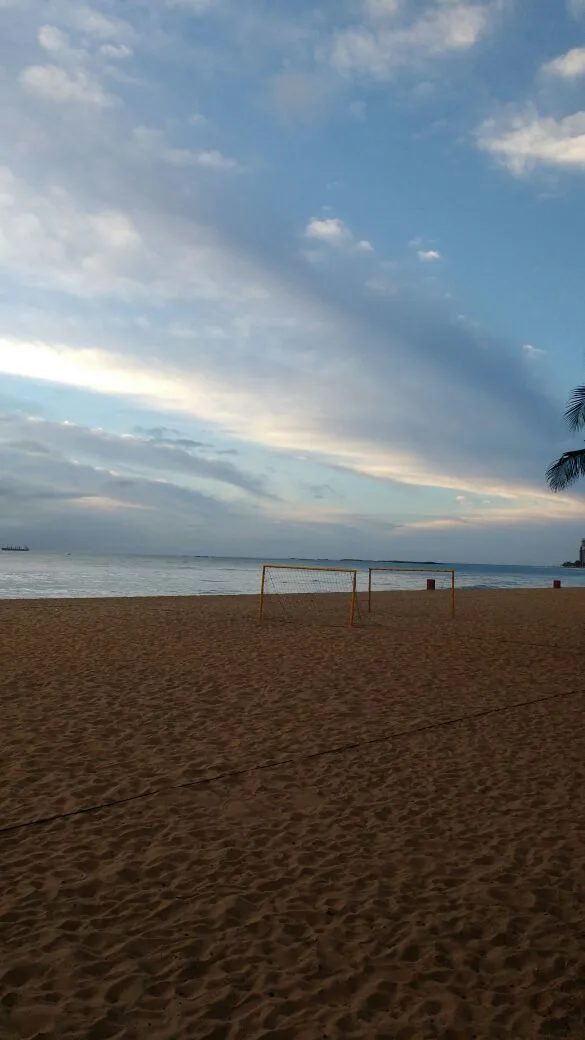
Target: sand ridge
427, 885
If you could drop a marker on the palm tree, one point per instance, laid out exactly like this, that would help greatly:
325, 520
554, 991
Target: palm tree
571, 465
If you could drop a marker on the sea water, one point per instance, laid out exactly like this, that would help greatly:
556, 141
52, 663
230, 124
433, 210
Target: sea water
43, 576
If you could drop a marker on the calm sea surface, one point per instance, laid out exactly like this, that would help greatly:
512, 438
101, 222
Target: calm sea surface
38, 576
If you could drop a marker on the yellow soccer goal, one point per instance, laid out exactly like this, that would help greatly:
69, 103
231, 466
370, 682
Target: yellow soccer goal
323, 595
394, 588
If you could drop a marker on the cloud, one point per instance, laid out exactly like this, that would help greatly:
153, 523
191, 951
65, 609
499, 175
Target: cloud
210, 160
334, 232
95, 23
426, 251
163, 435
116, 51
49, 240
31, 447
375, 434
331, 230
52, 39
576, 8
567, 66
522, 140
380, 51
133, 452
428, 255
52, 501
68, 504
56, 84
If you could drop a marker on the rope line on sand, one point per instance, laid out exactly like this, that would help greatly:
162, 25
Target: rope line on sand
232, 774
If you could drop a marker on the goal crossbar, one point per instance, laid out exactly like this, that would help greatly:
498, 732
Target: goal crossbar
412, 570
324, 570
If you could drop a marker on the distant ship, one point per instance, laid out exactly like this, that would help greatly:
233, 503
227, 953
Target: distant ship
15, 548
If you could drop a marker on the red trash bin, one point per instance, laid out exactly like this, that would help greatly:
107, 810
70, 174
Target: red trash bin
430, 584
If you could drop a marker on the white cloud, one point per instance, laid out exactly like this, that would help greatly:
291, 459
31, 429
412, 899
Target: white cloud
523, 140
334, 232
576, 8
567, 66
428, 256
96, 24
56, 84
48, 240
381, 51
426, 249
57, 43
52, 39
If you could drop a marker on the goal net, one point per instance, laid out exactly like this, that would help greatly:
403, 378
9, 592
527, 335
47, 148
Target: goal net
323, 595
406, 591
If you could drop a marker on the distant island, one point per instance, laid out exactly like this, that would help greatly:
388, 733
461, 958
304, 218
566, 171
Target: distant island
416, 563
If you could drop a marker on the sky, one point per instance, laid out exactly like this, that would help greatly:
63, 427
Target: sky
291, 279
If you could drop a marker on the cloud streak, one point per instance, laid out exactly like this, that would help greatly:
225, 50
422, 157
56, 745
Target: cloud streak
56, 84
138, 453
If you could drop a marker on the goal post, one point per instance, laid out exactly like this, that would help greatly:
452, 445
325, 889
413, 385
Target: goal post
294, 588
413, 570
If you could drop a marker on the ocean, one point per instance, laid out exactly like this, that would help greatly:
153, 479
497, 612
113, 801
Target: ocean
48, 576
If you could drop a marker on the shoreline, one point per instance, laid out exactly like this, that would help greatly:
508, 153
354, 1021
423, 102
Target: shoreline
460, 589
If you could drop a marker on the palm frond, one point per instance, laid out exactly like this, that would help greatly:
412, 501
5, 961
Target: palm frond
575, 411
566, 470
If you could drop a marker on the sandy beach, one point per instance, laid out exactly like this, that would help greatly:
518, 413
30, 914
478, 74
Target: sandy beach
215, 828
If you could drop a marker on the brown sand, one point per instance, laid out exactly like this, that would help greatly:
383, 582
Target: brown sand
426, 879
